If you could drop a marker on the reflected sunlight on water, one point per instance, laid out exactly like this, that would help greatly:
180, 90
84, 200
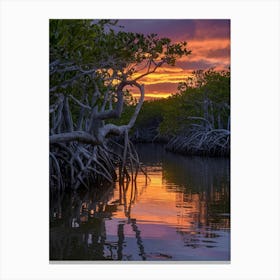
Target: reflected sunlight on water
181, 213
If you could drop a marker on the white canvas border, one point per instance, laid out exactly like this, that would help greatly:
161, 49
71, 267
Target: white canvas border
255, 138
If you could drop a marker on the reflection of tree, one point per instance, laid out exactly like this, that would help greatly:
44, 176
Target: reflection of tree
77, 224
180, 171
79, 233
138, 238
79, 221
202, 192
200, 174
120, 241
203, 185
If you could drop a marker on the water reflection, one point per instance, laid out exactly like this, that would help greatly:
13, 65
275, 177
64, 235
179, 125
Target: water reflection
181, 214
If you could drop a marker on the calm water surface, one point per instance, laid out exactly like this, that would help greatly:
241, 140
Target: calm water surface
181, 213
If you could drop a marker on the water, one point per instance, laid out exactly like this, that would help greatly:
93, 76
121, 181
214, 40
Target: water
181, 214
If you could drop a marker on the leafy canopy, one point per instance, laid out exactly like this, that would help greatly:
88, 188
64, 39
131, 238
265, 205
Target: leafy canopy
99, 49
173, 114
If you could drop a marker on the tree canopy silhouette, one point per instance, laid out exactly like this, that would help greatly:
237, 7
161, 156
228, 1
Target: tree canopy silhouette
93, 63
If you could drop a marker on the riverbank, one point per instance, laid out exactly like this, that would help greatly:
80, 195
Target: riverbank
213, 143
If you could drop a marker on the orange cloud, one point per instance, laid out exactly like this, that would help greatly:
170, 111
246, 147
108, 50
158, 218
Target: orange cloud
215, 52
210, 48
158, 78
154, 95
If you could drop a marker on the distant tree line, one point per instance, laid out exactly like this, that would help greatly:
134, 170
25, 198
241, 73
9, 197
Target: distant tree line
195, 120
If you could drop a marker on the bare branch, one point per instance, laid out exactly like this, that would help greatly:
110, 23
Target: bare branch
54, 107
80, 103
111, 128
159, 64
79, 136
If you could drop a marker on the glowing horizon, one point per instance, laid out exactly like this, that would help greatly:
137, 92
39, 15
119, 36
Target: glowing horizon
209, 41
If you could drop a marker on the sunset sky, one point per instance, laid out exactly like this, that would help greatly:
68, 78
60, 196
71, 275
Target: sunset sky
209, 41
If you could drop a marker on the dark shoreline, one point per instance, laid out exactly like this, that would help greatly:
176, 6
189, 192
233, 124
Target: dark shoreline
186, 152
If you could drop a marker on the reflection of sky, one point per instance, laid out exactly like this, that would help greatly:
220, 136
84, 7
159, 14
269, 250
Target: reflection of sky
172, 215
154, 204
161, 204
182, 212
209, 41
167, 221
